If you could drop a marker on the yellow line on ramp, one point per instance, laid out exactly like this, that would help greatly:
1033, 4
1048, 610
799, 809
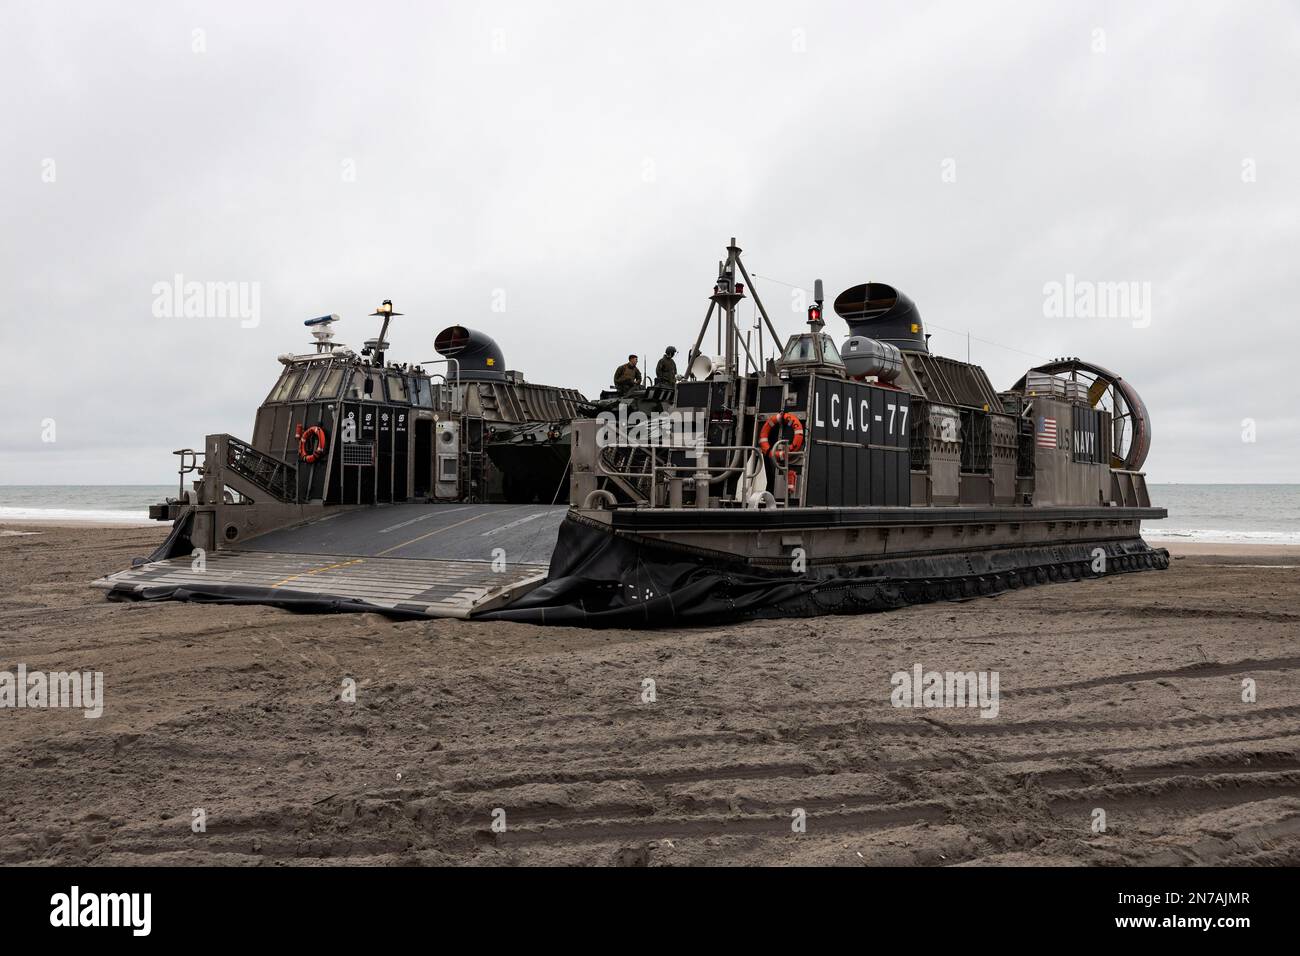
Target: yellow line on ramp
328, 567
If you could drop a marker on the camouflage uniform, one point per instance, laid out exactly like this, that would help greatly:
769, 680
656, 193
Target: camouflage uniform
666, 372
626, 378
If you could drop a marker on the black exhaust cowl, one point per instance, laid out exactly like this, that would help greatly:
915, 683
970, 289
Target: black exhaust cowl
881, 312
477, 353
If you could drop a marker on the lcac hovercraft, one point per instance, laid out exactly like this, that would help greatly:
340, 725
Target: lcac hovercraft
831, 478
839, 478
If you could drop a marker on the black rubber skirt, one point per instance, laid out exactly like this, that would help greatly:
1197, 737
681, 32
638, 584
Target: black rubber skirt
599, 579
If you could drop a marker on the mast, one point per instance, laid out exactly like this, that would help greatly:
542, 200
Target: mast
728, 292
377, 347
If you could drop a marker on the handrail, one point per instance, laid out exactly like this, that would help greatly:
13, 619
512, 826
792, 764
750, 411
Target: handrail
187, 466
780, 451
669, 466
272, 474
456, 404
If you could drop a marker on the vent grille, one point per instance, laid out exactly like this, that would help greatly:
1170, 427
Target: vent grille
359, 453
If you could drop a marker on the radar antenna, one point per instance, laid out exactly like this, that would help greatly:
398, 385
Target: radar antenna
322, 331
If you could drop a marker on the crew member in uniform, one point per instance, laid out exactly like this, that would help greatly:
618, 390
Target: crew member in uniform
627, 376
666, 370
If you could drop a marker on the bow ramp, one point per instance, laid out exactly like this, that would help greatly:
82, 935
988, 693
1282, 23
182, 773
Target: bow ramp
430, 560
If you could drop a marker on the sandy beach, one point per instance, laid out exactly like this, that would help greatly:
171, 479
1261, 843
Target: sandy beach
1122, 695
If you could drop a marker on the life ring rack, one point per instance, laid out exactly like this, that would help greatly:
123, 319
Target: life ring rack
320, 444
765, 436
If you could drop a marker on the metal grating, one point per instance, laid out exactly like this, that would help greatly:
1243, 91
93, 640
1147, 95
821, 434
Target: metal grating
359, 453
949, 382
436, 588
919, 436
976, 442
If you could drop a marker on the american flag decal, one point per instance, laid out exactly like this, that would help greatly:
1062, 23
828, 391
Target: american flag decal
1046, 432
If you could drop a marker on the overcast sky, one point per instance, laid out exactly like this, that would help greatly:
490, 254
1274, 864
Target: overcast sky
582, 166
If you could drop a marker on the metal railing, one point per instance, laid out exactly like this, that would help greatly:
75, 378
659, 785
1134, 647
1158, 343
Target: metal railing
441, 382
702, 470
269, 473
189, 463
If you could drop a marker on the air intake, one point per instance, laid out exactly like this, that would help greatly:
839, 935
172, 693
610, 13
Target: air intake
881, 312
477, 354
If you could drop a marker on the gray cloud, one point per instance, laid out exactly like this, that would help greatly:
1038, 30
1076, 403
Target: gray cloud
592, 162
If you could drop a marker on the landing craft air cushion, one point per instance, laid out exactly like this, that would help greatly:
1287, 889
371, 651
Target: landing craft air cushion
828, 478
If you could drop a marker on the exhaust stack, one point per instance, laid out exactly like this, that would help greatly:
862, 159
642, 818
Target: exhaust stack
877, 311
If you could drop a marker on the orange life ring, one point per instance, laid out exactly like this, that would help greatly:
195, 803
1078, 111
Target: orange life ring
320, 444
765, 436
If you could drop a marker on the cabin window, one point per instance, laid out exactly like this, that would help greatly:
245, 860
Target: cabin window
333, 379
423, 393
288, 382
800, 350
396, 389
831, 353
303, 391
803, 349
356, 387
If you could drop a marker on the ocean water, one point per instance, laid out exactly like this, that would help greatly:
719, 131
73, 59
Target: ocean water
1249, 514
106, 503
1259, 514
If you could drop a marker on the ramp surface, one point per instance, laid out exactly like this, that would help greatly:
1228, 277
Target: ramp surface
430, 560
526, 533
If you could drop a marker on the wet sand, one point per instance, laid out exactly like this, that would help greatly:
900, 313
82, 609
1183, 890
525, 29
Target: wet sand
1228, 551
1122, 695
